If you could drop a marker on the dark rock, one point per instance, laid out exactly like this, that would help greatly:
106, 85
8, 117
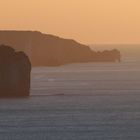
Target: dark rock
15, 70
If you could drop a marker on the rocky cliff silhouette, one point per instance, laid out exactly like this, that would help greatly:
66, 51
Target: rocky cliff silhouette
15, 70
49, 50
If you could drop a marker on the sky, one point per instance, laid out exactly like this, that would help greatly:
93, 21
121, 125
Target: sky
87, 21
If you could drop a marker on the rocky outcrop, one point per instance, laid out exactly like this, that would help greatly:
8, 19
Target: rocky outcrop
49, 50
15, 70
107, 56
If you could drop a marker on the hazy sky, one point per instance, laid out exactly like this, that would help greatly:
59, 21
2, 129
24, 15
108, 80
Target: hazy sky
88, 21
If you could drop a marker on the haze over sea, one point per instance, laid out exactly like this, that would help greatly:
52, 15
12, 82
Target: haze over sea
89, 101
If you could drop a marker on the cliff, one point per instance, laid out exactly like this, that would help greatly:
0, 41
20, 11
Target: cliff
15, 70
49, 50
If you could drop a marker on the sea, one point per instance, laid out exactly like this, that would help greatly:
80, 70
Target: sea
88, 101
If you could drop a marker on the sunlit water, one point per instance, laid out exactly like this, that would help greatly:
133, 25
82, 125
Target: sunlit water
76, 102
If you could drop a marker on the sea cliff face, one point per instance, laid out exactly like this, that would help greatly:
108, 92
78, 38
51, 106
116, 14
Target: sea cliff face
49, 50
15, 70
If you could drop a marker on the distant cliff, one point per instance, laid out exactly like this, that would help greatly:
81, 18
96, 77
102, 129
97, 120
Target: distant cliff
49, 50
15, 71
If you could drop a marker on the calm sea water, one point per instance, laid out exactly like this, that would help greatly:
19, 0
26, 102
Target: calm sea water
77, 102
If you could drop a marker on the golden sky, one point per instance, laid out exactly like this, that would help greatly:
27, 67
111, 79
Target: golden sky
88, 21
